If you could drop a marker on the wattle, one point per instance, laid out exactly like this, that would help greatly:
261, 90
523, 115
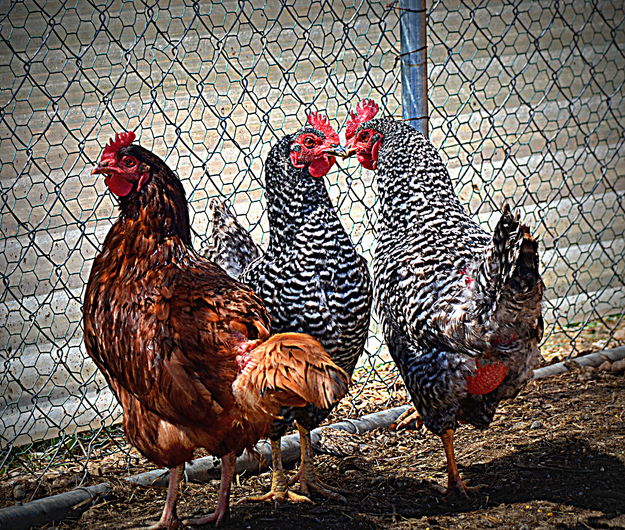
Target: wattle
320, 166
366, 161
118, 185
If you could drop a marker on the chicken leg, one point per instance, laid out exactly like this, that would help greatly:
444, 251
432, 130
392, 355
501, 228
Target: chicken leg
169, 518
222, 511
455, 484
306, 474
279, 488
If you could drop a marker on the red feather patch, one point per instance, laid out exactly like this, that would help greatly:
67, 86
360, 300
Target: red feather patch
487, 378
468, 279
365, 111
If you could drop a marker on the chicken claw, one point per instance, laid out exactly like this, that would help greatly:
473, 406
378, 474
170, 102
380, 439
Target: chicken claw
172, 524
276, 496
216, 517
460, 489
409, 419
309, 484
306, 474
279, 489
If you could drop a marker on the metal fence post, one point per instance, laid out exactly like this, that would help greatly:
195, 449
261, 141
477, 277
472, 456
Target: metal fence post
414, 70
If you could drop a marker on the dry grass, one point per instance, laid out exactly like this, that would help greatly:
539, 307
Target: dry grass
552, 458
579, 404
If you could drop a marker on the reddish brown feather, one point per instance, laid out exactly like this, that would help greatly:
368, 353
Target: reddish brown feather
291, 369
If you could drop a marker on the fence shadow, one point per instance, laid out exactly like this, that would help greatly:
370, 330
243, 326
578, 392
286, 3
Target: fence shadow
564, 470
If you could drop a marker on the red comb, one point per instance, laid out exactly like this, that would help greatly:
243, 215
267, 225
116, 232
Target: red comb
115, 144
365, 111
322, 124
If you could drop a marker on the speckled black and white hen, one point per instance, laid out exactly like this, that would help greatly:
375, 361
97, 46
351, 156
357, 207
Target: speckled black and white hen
460, 308
310, 278
227, 243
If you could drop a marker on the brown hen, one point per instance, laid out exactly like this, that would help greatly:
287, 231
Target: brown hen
187, 349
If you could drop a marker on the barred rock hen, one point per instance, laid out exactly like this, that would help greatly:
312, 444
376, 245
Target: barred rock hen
460, 308
227, 244
187, 349
311, 278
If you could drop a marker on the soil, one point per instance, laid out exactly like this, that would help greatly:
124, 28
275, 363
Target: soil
553, 458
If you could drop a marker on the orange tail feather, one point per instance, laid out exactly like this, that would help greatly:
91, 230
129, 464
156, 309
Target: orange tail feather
290, 369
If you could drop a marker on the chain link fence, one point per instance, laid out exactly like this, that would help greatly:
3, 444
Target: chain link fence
526, 105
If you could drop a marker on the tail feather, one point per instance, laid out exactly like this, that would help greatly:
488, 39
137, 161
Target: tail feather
510, 270
290, 369
228, 244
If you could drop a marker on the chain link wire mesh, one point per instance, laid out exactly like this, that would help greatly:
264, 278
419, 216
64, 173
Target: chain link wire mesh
526, 105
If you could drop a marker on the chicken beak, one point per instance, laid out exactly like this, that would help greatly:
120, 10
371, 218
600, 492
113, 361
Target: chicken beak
337, 150
100, 169
350, 151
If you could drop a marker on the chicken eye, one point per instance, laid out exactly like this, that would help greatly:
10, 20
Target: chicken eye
309, 142
128, 161
364, 136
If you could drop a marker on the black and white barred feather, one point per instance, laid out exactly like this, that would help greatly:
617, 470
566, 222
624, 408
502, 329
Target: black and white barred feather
227, 244
449, 293
311, 278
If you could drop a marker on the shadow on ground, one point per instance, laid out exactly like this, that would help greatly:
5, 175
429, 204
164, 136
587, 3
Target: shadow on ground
561, 471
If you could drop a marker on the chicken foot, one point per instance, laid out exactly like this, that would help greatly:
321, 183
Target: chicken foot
279, 491
455, 484
306, 474
169, 518
408, 419
222, 511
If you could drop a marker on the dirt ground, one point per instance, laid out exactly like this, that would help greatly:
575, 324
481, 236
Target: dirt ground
553, 458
